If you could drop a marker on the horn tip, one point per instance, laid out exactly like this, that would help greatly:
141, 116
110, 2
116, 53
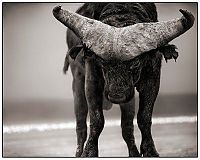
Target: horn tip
181, 10
186, 13
188, 16
57, 9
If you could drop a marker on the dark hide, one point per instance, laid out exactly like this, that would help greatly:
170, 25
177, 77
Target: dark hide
95, 81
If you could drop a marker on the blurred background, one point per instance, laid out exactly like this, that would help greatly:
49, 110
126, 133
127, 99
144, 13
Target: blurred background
35, 91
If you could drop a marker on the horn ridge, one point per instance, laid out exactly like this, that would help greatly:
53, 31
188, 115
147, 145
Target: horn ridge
127, 42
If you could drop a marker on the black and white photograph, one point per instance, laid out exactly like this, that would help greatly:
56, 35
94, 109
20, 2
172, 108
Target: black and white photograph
99, 79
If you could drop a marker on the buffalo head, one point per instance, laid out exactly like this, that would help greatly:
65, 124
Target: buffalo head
119, 78
117, 49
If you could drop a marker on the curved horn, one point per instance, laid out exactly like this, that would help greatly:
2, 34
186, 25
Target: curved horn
94, 34
127, 42
77, 23
73, 21
143, 37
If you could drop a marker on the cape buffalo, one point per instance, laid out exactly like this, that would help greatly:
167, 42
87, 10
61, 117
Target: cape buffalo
113, 48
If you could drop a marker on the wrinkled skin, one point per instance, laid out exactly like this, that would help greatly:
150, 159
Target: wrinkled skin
95, 79
119, 79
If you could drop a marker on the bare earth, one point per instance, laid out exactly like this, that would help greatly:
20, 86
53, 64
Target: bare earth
171, 140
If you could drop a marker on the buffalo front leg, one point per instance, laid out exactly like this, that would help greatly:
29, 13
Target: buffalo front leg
81, 110
147, 95
94, 96
127, 116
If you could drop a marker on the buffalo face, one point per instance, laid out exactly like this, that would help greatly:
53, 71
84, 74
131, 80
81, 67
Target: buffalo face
120, 78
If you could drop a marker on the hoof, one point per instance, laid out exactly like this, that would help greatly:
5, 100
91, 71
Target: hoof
148, 149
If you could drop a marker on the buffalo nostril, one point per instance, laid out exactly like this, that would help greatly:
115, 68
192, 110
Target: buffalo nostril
116, 98
111, 87
117, 89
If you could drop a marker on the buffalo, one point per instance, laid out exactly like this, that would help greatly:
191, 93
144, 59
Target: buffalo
113, 49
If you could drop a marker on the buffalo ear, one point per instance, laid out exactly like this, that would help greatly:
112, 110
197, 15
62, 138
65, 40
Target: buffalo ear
66, 64
169, 52
73, 52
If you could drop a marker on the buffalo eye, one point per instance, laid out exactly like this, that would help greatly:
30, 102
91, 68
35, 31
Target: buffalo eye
101, 61
135, 64
88, 53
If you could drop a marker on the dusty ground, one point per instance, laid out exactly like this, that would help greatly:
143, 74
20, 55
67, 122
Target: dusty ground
172, 140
